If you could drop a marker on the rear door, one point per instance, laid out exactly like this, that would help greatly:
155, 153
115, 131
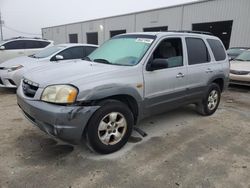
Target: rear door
200, 66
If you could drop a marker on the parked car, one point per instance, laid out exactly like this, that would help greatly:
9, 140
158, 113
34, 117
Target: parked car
235, 51
21, 46
240, 69
128, 78
12, 71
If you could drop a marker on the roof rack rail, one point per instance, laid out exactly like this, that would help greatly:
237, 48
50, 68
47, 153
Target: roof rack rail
195, 32
21, 37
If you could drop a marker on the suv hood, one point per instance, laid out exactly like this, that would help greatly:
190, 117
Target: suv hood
240, 65
70, 72
24, 60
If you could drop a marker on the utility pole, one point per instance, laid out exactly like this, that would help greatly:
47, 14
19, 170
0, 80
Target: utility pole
1, 27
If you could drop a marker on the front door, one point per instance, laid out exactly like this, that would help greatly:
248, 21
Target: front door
166, 84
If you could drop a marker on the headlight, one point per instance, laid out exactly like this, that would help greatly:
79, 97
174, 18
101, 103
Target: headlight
61, 94
15, 67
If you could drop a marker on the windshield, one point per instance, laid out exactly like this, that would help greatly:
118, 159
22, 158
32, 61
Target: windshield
47, 52
124, 50
235, 51
245, 56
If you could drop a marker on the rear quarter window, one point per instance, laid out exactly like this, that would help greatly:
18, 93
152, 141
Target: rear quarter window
217, 49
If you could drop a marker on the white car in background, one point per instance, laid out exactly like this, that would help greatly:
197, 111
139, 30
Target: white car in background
240, 69
21, 46
12, 71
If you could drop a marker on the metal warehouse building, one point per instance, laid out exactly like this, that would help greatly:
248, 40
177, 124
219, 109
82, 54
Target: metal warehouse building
227, 19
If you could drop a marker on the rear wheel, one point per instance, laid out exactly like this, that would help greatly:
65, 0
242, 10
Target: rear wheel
110, 127
211, 101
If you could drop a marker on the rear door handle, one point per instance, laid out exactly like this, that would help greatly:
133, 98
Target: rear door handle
180, 75
209, 70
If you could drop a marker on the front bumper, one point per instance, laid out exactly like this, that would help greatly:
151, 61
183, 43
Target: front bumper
64, 122
6, 80
240, 79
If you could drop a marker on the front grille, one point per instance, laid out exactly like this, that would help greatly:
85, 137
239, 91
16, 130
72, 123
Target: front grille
29, 88
236, 72
1, 82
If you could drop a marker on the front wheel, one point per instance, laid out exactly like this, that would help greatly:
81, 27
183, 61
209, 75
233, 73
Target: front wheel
211, 101
110, 127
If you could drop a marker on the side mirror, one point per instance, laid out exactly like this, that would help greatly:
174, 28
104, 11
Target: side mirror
59, 57
157, 64
230, 58
2, 47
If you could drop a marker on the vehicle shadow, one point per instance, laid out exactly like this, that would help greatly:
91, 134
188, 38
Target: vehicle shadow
36, 148
239, 88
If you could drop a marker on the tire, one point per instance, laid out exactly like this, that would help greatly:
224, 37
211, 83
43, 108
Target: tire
110, 127
210, 103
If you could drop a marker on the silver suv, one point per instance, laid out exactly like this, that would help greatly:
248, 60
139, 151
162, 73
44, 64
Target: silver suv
130, 77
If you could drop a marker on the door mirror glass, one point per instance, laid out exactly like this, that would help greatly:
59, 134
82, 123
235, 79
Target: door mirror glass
2, 47
59, 57
157, 64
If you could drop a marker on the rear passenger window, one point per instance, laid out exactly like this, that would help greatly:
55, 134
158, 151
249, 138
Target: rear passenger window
32, 44
197, 51
217, 49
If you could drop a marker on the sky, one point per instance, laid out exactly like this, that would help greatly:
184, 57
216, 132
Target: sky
27, 17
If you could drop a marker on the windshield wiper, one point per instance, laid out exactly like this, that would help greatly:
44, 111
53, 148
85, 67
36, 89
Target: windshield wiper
86, 58
34, 56
239, 60
103, 61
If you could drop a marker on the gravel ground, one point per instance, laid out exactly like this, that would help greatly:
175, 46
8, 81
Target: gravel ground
182, 149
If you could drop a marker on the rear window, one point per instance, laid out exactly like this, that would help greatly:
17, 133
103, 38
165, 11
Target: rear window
31, 44
217, 49
197, 51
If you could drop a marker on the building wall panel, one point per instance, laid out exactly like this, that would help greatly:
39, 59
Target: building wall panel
74, 29
176, 18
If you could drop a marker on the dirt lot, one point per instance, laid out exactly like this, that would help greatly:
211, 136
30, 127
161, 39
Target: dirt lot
182, 149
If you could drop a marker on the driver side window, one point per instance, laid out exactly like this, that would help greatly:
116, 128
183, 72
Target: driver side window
170, 52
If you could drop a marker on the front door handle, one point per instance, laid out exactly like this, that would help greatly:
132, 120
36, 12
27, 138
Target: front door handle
180, 75
209, 70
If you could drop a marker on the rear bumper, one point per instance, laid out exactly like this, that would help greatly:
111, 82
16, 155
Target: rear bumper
64, 122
